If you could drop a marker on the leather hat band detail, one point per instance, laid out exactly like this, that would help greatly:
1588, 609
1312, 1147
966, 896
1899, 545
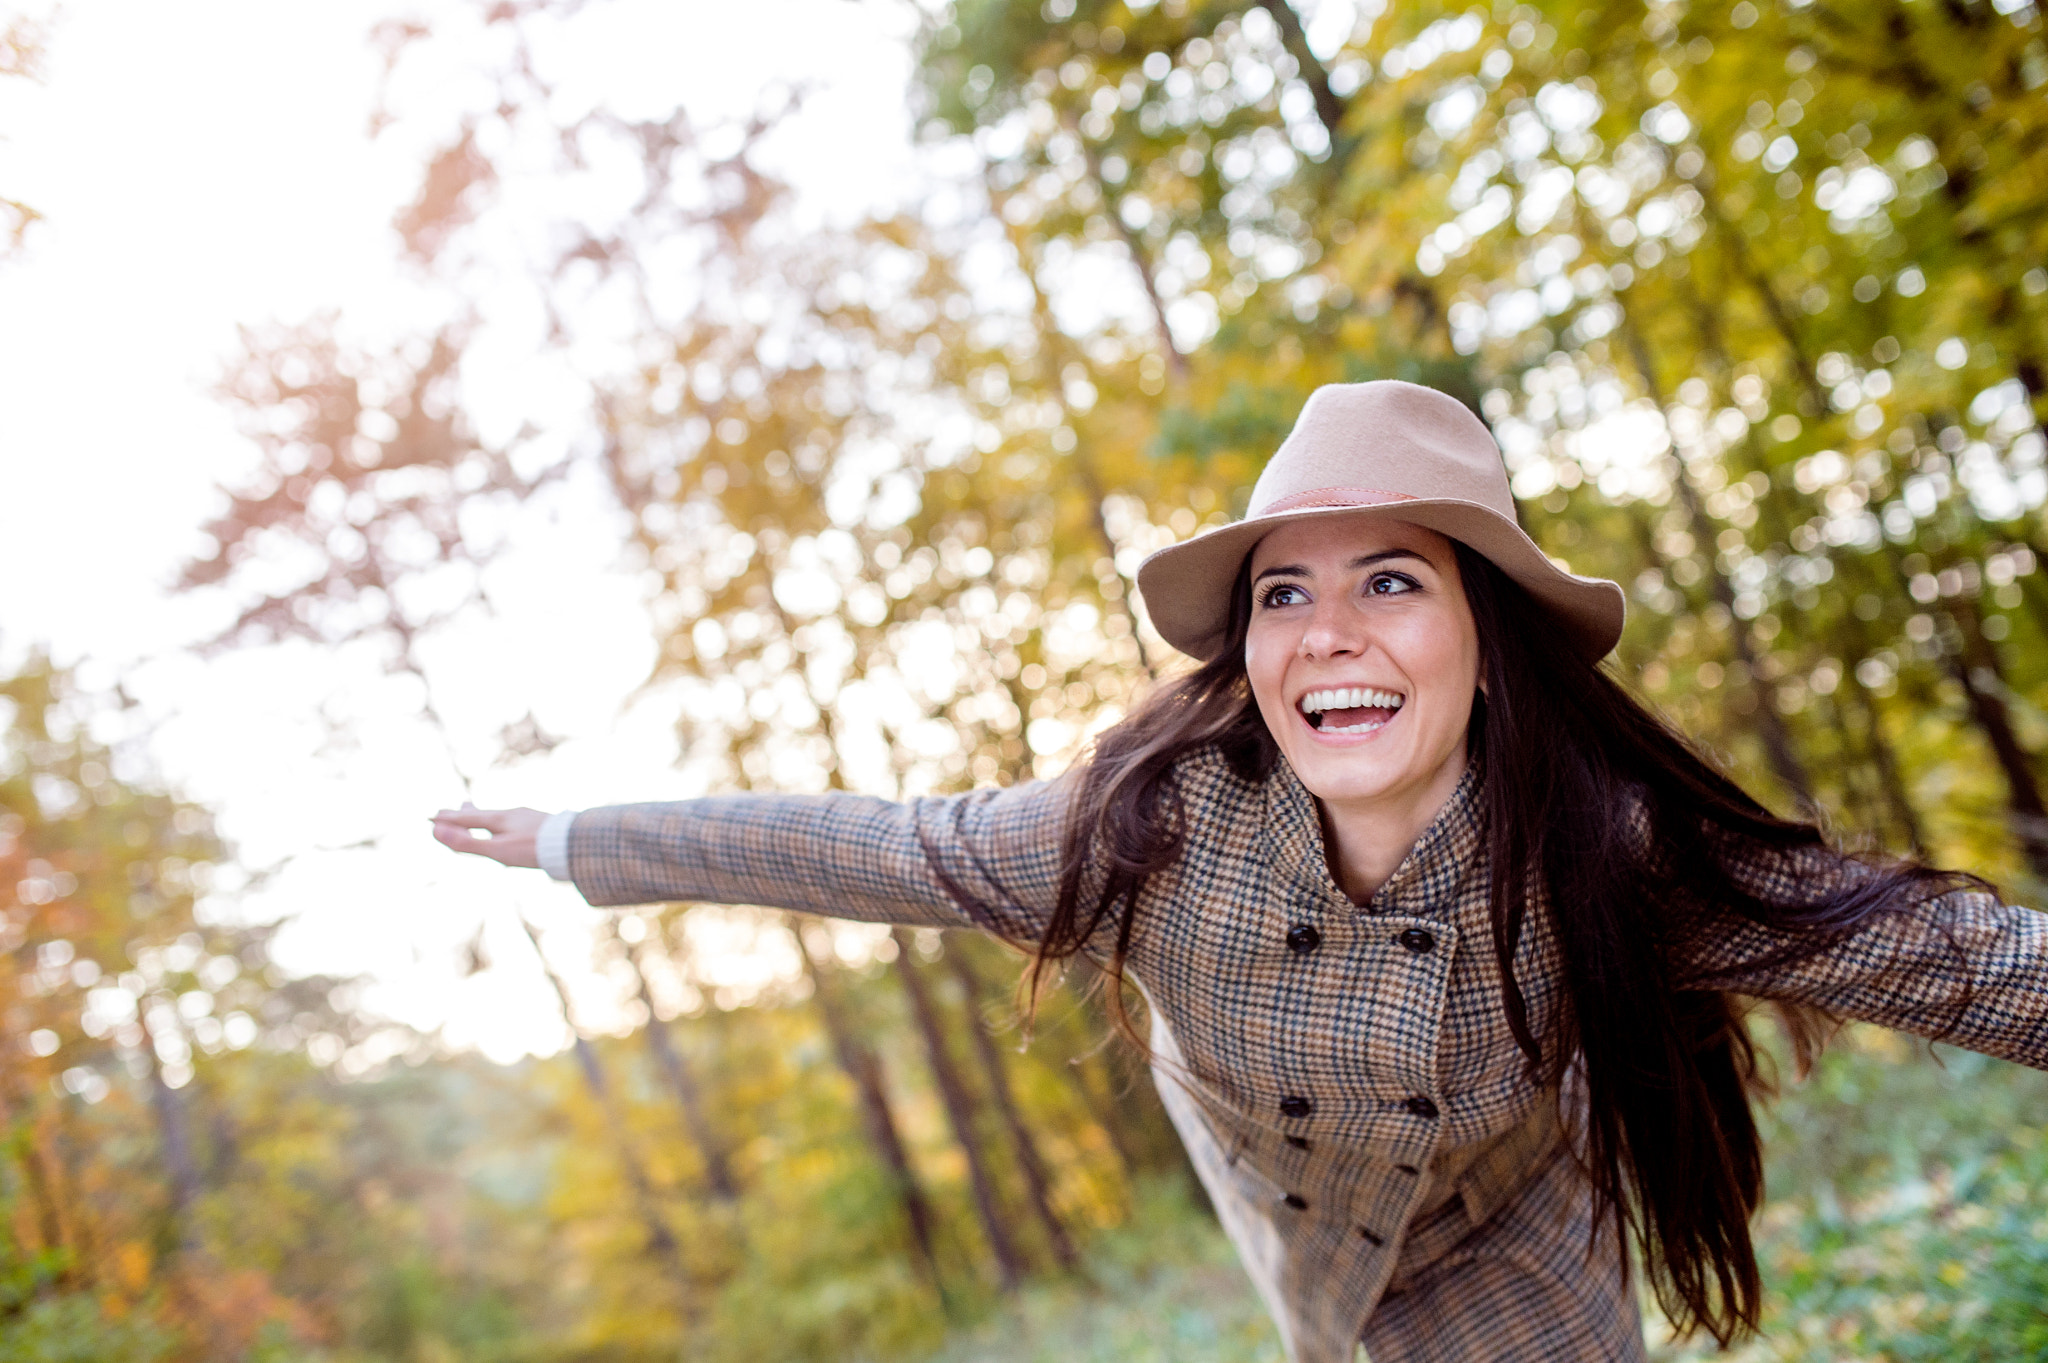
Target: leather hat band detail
1332, 496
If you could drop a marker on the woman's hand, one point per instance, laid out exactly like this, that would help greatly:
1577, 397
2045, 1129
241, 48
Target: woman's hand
511, 833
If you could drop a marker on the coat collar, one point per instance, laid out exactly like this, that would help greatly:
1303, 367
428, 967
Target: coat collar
1429, 879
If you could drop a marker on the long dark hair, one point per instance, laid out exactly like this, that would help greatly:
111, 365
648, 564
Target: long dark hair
1641, 852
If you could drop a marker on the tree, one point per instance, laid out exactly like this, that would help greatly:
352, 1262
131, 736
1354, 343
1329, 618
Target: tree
1750, 295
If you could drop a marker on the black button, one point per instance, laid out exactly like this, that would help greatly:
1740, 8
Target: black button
1421, 1107
1407, 1168
1296, 1201
1294, 1105
1367, 1235
1298, 1142
1418, 940
1303, 939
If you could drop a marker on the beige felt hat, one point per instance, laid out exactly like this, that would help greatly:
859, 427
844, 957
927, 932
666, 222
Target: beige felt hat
1404, 452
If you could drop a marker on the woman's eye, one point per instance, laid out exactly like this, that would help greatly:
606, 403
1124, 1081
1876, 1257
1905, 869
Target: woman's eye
1283, 595
1389, 584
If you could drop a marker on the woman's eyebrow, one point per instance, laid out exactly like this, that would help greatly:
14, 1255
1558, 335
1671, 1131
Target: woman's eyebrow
1367, 560
1362, 561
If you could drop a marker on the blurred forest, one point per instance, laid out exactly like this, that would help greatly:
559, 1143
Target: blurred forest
1752, 294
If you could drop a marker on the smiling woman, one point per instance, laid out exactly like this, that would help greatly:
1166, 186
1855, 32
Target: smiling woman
1440, 932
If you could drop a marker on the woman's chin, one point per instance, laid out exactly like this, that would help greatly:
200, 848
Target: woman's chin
1348, 777
1367, 774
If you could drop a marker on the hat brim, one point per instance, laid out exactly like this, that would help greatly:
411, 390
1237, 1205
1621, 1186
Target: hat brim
1187, 586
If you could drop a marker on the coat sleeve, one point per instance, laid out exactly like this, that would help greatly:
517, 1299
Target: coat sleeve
1961, 967
987, 859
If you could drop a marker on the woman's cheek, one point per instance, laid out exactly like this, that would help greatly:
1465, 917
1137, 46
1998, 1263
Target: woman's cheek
1265, 667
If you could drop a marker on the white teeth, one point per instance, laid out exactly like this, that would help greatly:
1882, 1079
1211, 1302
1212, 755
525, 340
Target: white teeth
1348, 698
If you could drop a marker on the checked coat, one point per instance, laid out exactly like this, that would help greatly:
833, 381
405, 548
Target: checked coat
1342, 1075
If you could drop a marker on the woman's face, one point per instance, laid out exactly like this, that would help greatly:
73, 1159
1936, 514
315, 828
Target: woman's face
1363, 658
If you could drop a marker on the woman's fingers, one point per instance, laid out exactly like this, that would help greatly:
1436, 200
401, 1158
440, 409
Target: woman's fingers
469, 816
504, 835
457, 828
459, 836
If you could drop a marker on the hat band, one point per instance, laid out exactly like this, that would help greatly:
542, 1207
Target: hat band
1332, 496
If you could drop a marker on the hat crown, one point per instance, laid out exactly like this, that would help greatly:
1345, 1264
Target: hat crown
1384, 437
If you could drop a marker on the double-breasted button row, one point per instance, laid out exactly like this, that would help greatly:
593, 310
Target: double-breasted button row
1303, 938
1295, 1105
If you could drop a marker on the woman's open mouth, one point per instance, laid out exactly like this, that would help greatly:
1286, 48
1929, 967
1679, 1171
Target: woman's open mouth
1349, 709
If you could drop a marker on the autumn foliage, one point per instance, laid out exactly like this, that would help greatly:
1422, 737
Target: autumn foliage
1752, 295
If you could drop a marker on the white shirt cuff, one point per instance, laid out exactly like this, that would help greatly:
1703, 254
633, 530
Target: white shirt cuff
551, 844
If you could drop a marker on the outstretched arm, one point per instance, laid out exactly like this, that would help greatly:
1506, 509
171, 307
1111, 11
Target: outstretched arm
988, 859
1963, 968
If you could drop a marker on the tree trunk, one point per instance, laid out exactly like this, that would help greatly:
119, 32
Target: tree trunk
1053, 343
710, 1150
72, 1150
1887, 763
1975, 664
174, 1138
1330, 107
1112, 200
1770, 726
1857, 802
865, 1071
18, 1120
1021, 1139
1103, 1109
661, 1241
959, 1113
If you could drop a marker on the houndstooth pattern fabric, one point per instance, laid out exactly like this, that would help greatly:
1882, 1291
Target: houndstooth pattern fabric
1342, 1075
1540, 1281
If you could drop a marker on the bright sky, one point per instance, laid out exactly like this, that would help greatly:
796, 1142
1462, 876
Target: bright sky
206, 165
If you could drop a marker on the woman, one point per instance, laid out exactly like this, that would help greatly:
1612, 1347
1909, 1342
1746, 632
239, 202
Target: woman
1439, 930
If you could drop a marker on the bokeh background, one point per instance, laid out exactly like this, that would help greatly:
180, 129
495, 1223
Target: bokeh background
561, 402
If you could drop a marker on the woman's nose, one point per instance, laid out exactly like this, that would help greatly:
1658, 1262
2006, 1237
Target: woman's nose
1333, 632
